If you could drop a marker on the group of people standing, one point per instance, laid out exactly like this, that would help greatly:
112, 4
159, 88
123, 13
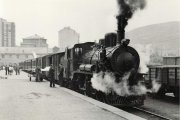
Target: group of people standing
9, 70
60, 75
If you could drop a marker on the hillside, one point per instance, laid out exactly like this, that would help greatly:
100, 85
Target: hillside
165, 36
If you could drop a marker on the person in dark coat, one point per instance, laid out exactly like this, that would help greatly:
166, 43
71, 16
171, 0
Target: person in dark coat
7, 69
38, 73
11, 69
17, 70
51, 76
61, 72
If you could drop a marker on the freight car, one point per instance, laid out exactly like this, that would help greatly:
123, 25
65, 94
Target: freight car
166, 75
171, 60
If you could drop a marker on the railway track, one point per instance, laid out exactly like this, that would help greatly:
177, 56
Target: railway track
145, 114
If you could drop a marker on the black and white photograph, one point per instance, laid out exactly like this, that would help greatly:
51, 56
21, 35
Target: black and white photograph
89, 59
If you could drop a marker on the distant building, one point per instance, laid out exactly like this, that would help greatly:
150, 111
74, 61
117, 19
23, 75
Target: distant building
34, 41
7, 33
67, 37
12, 55
55, 49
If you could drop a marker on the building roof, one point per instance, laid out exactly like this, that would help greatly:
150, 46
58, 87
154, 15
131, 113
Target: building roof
23, 50
35, 36
68, 28
3, 20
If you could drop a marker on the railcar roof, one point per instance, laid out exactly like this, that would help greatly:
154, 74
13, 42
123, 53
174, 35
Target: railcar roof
76, 45
81, 44
171, 57
164, 66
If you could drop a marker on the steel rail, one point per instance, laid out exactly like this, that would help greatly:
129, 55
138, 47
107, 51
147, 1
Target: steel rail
154, 114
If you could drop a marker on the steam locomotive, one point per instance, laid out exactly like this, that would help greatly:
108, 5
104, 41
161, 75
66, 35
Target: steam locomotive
112, 54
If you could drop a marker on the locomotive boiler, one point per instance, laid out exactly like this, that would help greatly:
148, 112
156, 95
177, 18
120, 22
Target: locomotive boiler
113, 53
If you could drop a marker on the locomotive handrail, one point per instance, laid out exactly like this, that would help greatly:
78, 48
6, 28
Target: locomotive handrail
94, 54
110, 51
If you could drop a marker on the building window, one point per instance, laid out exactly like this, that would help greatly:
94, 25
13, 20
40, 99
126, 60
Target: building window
26, 56
2, 56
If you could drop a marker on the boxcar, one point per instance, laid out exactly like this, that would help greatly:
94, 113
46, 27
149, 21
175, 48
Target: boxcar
168, 76
171, 60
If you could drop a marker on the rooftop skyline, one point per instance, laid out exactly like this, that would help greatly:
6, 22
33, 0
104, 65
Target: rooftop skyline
91, 19
35, 36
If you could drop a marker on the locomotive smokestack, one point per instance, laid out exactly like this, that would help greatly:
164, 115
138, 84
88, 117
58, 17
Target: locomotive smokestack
122, 22
126, 11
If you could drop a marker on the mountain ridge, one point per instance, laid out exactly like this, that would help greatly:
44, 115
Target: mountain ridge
165, 35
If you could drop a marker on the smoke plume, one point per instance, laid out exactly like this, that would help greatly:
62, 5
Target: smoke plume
128, 7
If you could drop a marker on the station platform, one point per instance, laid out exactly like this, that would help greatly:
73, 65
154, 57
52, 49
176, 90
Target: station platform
21, 99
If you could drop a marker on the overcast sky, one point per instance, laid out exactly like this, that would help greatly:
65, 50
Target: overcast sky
90, 18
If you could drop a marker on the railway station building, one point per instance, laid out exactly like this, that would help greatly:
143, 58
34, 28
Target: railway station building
14, 55
31, 47
34, 41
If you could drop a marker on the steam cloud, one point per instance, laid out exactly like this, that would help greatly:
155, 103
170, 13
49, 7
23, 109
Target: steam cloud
155, 87
144, 54
128, 7
106, 82
34, 54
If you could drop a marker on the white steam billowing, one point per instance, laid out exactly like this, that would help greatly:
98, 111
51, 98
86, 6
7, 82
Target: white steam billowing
144, 54
106, 81
155, 87
34, 54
